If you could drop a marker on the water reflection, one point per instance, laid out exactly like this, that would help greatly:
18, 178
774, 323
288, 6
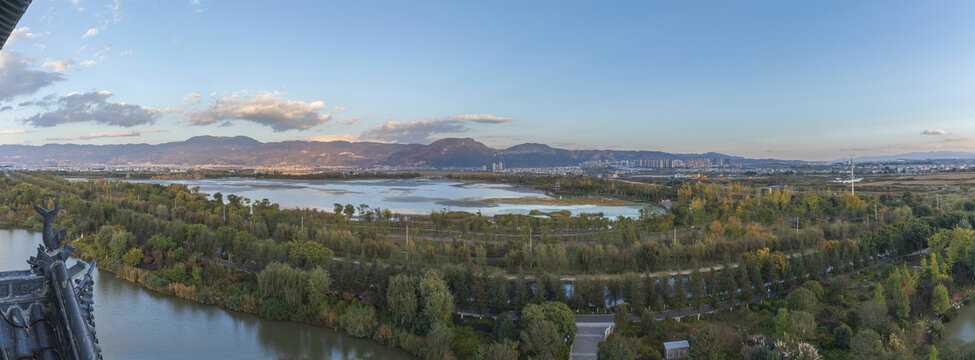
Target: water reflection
408, 196
134, 323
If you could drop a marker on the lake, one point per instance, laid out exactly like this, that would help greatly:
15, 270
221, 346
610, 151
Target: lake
135, 323
405, 196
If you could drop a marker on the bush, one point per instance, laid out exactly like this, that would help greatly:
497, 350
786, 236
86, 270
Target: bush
274, 309
235, 302
133, 257
360, 321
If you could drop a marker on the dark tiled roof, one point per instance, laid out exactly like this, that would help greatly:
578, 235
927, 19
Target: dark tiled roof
10, 13
26, 331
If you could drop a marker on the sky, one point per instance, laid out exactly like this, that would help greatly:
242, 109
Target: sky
813, 80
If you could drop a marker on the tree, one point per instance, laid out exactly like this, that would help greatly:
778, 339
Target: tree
120, 243
162, 242
680, 295
464, 342
706, 345
133, 257
617, 348
349, 210
866, 344
439, 340
939, 299
504, 350
319, 282
842, 336
872, 315
557, 313
801, 299
541, 339
621, 314
438, 303
401, 298
360, 321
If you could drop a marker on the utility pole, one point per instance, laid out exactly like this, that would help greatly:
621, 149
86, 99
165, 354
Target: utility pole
407, 250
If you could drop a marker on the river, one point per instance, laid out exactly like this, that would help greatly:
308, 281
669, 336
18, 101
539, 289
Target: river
135, 323
405, 196
961, 329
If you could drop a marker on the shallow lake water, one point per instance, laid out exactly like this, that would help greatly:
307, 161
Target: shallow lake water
405, 196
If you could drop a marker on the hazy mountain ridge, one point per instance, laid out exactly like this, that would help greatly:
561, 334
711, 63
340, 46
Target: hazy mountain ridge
917, 156
245, 152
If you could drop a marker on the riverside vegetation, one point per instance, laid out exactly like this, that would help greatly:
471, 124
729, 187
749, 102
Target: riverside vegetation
721, 243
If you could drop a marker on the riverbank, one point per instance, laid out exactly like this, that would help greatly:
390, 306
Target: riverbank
331, 316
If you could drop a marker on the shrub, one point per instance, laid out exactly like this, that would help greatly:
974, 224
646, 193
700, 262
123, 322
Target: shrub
274, 309
360, 321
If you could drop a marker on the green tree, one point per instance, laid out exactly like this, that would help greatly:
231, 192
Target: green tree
939, 299
557, 313
319, 282
133, 257
464, 342
617, 348
842, 336
872, 315
706, 345
360, 321
439, 340
504, 350
401, 298
541, 339
866, 344
162, 242
438, 303
801, 299
120, 243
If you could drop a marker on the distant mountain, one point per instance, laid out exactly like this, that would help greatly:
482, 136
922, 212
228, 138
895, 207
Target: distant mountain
245, 152
915, 156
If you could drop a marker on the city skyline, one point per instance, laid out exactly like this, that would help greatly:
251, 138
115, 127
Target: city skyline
760, 79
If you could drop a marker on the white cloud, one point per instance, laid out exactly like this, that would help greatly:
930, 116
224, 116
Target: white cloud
91, 32
16, 77
88, 63
41, 46
192, 98
350, 121
12, 132
111, 134
59, 65
126, 53
21, 33
267, 109
481, 118
94, 107
934, 132
103, 53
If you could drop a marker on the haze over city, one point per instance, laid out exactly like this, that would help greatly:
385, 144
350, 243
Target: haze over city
810, 81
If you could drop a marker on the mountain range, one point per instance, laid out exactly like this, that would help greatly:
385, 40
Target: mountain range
245, 152
918, 156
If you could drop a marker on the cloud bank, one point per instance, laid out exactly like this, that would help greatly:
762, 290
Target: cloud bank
267, 109
428, 130
414, 131
16, 77
112, 134
934, 132
93, 107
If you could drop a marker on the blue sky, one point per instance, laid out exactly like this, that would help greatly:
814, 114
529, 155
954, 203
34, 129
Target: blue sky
797, 80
